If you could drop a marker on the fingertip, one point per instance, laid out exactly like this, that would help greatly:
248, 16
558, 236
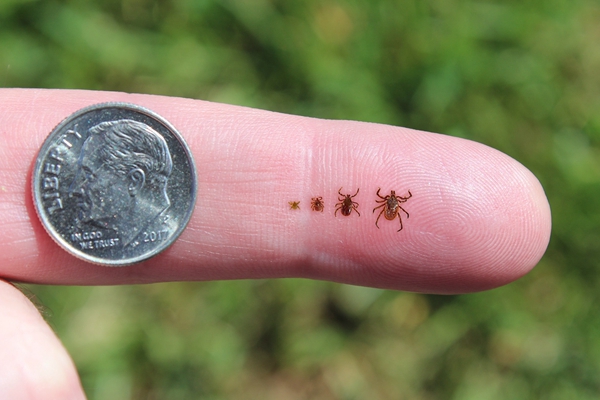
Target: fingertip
478, 218
531, 226
498, 219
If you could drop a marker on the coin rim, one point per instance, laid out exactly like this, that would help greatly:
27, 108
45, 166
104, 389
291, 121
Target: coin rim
57, 237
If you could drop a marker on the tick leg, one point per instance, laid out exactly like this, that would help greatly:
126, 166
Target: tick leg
404, 198
404, 211
340, 191
399, 219
383, 205
379, 216
380, 196
354, 208
355, 193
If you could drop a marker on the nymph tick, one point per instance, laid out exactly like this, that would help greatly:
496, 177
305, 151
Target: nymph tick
316, 204
294, 205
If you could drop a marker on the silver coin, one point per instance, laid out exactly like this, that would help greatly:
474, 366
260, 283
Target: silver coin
114, 184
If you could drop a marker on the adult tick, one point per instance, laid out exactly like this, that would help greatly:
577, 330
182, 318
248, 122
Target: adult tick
346, 204
390, 207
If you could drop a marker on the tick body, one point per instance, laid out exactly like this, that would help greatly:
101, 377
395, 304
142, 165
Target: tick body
316, 204
390, 207
294, 205
346, 204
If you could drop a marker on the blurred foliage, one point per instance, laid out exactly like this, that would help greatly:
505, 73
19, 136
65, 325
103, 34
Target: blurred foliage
521, 76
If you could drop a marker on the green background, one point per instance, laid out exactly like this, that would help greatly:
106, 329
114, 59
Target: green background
520, 76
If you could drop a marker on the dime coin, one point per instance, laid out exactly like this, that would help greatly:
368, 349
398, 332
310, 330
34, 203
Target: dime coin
114, 184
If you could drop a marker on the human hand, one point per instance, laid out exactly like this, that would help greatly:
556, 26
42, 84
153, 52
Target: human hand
478, 219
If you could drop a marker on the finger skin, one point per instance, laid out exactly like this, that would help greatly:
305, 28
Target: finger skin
33, 363
478, 219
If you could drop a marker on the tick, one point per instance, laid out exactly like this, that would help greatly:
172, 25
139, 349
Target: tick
390, 207
294, 205
346, 204
316, 203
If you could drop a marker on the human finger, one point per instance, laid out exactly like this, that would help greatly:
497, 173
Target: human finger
478, 219
33, 362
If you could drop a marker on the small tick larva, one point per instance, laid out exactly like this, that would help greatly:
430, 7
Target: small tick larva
390, 207
346, 204
316, 204
294, 205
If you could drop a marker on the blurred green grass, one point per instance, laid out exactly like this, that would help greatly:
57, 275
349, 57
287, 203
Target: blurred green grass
519, 76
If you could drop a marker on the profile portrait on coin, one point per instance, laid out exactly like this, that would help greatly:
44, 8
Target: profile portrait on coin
121, 180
